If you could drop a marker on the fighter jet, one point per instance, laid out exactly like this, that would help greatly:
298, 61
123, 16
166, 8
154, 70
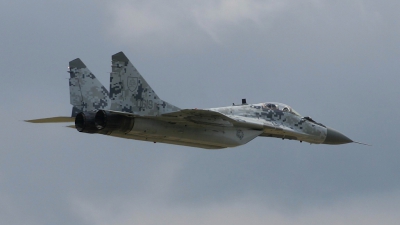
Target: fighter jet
131, 109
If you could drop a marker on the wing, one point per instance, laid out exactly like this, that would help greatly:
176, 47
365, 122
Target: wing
198, 117
205, 117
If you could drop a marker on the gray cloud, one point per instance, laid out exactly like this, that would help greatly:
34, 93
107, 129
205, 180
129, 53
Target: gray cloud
334, 61
239, 211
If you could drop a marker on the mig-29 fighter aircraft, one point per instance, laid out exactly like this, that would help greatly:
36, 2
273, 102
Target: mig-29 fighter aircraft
131, 109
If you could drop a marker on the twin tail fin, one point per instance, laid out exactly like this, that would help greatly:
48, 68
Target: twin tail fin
130, 93
86, 92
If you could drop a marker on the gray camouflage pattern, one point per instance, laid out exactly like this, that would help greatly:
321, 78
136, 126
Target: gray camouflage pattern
130, 93
86, 92
277, 122
146, 117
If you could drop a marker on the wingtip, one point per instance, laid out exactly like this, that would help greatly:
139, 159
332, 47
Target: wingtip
77, 63
120, 56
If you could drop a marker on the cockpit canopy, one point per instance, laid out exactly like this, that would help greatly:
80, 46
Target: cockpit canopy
280, 106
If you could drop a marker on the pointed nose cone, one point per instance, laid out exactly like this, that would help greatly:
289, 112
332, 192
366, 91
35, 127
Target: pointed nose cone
334, 137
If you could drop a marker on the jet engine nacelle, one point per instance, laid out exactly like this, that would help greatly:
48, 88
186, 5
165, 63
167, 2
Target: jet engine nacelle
84, 122
103, 122
107, 122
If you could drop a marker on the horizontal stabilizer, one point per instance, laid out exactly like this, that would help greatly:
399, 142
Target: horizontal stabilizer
59, 119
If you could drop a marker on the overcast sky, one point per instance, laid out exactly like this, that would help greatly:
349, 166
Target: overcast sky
336, 61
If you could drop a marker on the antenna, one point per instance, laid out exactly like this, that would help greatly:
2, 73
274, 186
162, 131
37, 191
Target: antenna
361, 143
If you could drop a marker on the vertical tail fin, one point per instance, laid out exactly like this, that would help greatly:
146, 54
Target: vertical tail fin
129, 91
86, 92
